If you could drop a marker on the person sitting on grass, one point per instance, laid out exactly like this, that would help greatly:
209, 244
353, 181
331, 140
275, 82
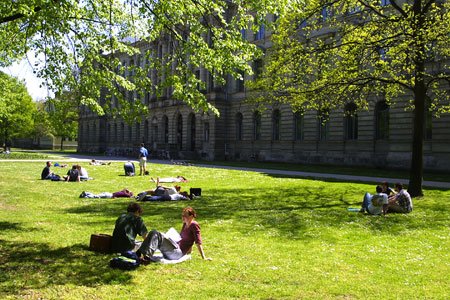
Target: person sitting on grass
73, 175
83, 173
47, 173
400, 202
170, 249
129, 168
126, 229
375, 204
386, 189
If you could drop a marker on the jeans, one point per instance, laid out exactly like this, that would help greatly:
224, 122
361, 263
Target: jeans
156, 240
366, 201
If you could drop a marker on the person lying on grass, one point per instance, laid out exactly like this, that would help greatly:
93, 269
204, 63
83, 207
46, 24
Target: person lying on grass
169, 179
170, 249
163, 193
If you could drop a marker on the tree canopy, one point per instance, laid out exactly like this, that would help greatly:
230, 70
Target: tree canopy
17, 109
329, 53
76, 44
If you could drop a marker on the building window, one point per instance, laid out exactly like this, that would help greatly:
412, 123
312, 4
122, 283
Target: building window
350, 122
138, 132
206, 131
122, 132
193, 131
382, 120
239, 121
298, 126
244, 33
166, 129
180, 132
385, 2
276, 120
256, 125
324, 121
115, 133
240, 82
258, 67
146, 131
261, 33
428, 122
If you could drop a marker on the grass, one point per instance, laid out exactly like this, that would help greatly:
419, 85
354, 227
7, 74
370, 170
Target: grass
270, 237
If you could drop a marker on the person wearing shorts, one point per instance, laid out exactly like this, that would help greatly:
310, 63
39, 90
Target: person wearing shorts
143, 154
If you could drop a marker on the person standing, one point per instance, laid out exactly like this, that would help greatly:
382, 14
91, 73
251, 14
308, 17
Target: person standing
143, 154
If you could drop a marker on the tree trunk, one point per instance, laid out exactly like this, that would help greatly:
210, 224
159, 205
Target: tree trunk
62, 144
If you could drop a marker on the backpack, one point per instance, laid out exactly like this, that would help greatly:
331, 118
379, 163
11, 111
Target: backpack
126, 261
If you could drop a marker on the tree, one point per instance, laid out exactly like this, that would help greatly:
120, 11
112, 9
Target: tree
16, 109
326, 52
76, 44
63, 115
42, 126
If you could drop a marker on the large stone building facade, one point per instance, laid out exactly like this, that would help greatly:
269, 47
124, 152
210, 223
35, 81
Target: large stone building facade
378, 137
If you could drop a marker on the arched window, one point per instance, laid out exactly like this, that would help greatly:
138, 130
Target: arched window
428, 122
192, 132
146, 131
350, 122
382, 120
256, 125
138, 132
298, 126
276, 120
239, 121
180, 132
324, 121
166, 129
122, 132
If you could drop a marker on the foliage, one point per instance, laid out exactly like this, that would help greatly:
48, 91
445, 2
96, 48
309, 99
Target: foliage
16, 108
270, 237
77, 45
63, 115
330, 53
42, 124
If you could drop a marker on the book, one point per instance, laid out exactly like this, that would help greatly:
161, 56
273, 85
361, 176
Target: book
173, 234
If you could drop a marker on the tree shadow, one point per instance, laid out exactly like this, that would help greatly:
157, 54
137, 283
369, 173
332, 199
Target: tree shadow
36, 265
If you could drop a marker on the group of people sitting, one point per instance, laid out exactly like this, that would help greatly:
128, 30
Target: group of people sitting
75, 174
130, 224
387, 200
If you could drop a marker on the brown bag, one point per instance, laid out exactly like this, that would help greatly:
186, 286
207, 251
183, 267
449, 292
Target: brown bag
100, 243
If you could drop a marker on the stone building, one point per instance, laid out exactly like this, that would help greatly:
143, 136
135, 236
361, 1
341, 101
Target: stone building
378, 137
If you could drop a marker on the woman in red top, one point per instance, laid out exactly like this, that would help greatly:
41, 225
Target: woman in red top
173, 250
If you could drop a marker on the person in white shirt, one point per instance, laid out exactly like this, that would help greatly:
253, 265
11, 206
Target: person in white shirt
375, 204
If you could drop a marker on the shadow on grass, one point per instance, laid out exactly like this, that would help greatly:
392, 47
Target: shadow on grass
35, 265
290, 211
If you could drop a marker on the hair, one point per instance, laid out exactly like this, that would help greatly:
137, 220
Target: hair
177, 187
385, 183
142, 144
189, 211
49, 163
379, 189
75, 167
399, 186
134, 207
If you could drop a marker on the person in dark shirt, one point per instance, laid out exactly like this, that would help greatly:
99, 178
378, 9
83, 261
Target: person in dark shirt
173, 250
73, 175
46, 173
127, 227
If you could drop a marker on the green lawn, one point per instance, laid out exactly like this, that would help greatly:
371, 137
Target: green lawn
270, 237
